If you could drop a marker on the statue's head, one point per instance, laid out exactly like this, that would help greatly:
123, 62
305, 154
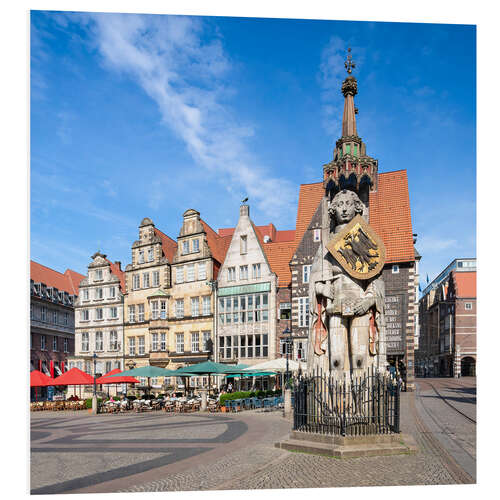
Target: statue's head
344, 206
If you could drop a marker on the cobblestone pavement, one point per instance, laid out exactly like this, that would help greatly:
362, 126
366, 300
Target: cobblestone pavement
236, 452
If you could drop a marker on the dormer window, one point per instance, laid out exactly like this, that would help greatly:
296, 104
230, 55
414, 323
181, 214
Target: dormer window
196, 245
98, 274
185, 247
141, 256
150, 255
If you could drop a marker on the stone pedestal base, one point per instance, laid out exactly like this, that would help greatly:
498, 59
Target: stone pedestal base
94, 405
204, 394
349, 447
288, 403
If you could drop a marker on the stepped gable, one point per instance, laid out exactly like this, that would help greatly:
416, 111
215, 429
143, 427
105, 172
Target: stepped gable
117, 271
67, 282
465, 284
268, 230
390, 216
169, 246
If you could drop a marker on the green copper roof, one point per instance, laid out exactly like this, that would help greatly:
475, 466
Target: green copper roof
237, 290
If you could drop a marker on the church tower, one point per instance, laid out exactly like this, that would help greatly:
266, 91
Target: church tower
351, 167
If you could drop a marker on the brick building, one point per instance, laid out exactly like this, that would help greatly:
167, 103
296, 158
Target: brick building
52, 318
447, 310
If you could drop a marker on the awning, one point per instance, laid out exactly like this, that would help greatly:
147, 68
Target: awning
38, 379
75, 376
108, 379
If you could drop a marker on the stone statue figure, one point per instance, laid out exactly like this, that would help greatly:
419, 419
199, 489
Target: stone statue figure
347, 326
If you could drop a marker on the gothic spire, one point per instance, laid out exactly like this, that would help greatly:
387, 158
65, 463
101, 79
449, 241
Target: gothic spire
349, 89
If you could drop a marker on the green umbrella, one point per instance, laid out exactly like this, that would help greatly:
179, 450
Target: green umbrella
146, 371
205, 368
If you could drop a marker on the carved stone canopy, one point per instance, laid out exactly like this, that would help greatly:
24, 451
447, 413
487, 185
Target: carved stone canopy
350, 86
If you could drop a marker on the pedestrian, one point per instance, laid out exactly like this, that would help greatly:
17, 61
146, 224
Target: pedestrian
230, 387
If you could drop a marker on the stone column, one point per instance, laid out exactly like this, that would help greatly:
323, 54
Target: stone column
94, 405
203, 399
288, 403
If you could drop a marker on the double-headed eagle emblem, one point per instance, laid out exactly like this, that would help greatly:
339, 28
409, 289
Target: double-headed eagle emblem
358, 249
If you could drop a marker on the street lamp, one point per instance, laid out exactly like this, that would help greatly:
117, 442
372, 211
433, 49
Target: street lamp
288, 343
95, 373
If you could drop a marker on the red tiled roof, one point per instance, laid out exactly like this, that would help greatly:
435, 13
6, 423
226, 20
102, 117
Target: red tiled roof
279, 255
168, 245
465, 284
287, 235
67, 282
310, 196
390, 216
116, 270
218, 245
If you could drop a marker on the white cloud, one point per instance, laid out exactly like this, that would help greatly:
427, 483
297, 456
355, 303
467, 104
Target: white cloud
185, 72
429, 244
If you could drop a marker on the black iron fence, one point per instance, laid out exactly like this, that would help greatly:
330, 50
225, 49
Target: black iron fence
347, 406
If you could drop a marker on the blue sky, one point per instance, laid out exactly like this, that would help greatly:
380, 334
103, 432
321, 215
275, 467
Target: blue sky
135, 116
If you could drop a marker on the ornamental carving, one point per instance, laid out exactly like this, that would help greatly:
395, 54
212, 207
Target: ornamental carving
350, 86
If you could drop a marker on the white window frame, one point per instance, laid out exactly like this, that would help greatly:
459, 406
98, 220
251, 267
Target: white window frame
145, 280
179, 274
99, 341
395, 269
317, 235
206, 336
163, 342
66, 345
85, 345
206, 305
179, 308
85, 294
99, 314
154, 342
196, 245
113, 312
55, 347
256, 271
468, 306
202, 271
231, 273
131, 314
98, 275
244, 272
136, 281
131, 346
303, 312
113, 340
156, 278
190, 276
154, 309
140, 259
195, 341
195, 306
151, 254
99, 293
112, 292
140, 313
163, 309
185, 247
179, 343
141, 345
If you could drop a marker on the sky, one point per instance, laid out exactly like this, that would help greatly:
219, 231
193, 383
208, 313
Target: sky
137, 116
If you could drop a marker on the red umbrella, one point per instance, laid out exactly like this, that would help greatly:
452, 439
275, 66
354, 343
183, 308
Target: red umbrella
116, 380
75, 376
39, 379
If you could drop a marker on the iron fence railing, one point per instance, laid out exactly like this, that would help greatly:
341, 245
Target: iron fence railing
346, 406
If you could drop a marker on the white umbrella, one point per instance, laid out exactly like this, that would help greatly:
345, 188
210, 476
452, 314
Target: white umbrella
278, 365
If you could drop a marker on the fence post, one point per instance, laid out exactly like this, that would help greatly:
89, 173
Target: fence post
397, 408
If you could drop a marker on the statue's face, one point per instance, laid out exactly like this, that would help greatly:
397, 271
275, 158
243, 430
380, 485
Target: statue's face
344, 208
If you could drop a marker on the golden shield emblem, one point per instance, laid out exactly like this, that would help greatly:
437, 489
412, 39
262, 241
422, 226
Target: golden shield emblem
358, 249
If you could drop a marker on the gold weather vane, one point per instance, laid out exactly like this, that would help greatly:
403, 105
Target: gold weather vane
349, 64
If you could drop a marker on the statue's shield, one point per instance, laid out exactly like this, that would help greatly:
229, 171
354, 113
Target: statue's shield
358, 249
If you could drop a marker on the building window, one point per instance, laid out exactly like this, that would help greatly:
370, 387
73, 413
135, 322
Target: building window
190, 272
108, 366
154, 341
85, 315
145, 280
151, 254
140, 313
136, 279
243, 272
113, 340
98, 275
206, 305
131, 346
317, 235
195, 306
302, 350
185, 247
285, 310
66, 318
163, 309
306, 271
243, 244
179, 274
179, 342
86, 294
98, 341
202, 271
468, 306
85, 341
163, 341
303, 311
141, 256
131, 314
395, 269
54, 317
255, 270
112, 292
54, 344
195, 342
99, 293
196, 245
113, 312
206, 338
156, 278
231, 273
154, 309
44, 313
98, 313
88, 368
142, 348
179, 308
66, 345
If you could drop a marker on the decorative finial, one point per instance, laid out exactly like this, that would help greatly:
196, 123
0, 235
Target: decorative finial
349, 64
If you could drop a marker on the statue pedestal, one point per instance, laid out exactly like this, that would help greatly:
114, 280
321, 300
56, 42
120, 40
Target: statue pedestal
349, 446
288, 403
